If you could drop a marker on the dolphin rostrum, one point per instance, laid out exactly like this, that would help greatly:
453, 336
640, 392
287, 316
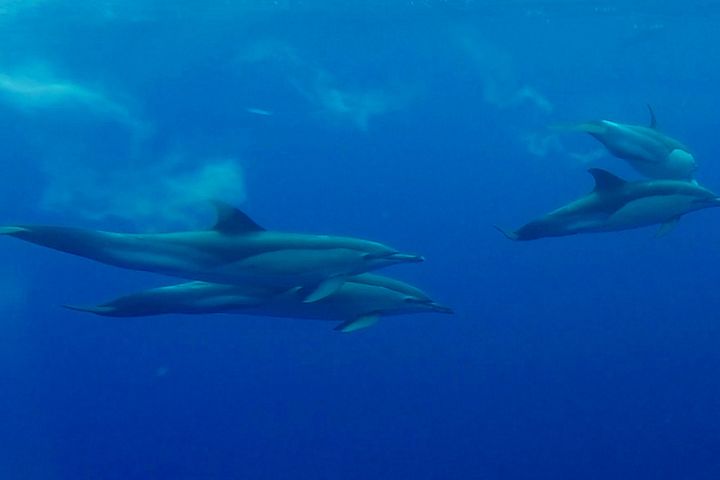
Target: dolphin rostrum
647, 150
235, 251
615, 204
358, 303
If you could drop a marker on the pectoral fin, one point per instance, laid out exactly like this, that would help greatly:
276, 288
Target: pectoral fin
326, 288
358, 323
667, 227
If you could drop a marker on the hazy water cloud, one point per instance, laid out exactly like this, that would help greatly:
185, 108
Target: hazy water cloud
542, 145
546, 144
504, 88
356, 105
36, 94
528, 95
173, 192
501, 84
102, 170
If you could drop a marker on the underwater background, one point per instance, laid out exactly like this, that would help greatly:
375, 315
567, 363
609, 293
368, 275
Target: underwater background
419, 124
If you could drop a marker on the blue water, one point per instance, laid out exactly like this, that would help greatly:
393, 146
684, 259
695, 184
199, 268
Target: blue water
418, 124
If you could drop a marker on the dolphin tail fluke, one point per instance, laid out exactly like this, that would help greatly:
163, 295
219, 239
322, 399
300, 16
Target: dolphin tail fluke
508, 234
12, 230
326, 288
358, 323
96, 309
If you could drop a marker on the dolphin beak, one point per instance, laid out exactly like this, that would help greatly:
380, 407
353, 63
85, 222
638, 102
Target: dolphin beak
12, 230
713, 201
508, 234
436, 307
405, 258
396, 257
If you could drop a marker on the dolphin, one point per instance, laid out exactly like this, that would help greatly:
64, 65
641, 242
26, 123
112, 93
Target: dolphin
647, 150
236, 250
358, 303
616, 204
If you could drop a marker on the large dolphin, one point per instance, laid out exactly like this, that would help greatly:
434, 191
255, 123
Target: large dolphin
647, 150
358, 303
615, 204
235, 251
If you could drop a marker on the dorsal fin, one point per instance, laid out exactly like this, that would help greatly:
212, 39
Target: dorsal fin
653, 120
605, 181
232, 220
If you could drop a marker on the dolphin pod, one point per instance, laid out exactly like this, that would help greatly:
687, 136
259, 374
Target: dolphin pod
358, 303
240, 267
615, 204
650, 152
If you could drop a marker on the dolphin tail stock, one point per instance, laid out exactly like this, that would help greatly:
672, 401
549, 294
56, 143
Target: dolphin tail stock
508, 234
12, 230
103, 310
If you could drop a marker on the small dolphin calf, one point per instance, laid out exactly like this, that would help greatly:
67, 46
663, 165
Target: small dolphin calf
358, 303
235, 251
615, 204
648, 151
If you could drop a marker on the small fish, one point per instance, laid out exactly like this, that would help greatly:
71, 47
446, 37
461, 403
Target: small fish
259, 111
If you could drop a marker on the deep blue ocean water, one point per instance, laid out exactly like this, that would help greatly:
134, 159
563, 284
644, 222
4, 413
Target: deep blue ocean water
418, 124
